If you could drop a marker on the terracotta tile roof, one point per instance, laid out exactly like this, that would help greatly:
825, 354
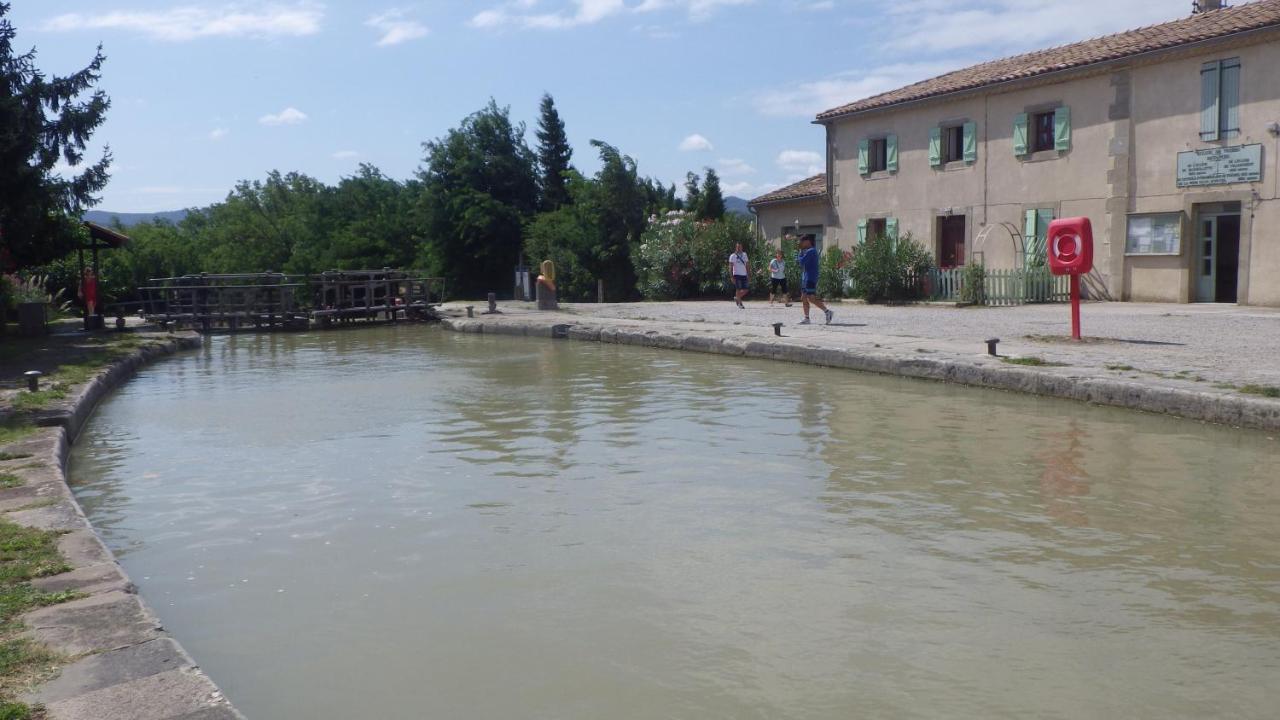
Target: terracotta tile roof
1196, 28
809, 188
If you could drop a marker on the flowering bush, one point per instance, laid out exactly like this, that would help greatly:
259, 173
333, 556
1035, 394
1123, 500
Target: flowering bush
680, 257
834, 272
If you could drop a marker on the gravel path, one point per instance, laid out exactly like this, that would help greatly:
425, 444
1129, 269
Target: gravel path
1185, 344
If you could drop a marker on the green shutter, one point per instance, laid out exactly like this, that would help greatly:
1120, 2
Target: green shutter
1029, 237
1062, 129
1020, 134
891, 229
1209, 100
891, 153
1229, 114
935, 146
864, 149
862, 231
971, 142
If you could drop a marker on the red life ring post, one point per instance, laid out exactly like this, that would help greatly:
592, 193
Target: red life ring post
1070, 248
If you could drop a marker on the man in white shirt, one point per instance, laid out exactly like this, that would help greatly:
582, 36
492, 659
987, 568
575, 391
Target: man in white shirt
739, 269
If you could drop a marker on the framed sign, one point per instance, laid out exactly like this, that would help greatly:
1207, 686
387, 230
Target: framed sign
1220, 166
1154, 234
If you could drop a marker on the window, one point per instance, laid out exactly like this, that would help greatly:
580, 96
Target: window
878, 155
1155, 234
877, 228
953, 143
1042, 131
951, 241
1220, 99
816, 231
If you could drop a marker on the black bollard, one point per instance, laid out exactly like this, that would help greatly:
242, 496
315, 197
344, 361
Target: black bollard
33, 379
777, 329
991, 346
471, 311
493, 303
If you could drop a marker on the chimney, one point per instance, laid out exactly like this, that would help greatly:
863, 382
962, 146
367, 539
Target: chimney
1203, 6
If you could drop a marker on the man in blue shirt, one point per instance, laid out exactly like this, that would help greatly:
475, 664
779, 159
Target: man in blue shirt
808, 259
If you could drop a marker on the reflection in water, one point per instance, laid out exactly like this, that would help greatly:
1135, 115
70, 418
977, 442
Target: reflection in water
402, 523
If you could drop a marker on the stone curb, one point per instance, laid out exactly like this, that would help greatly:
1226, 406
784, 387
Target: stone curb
125, 665
1256, 413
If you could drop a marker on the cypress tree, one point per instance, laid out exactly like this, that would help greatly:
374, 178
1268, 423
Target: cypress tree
693, 194
711, 206
554, 155
44, 119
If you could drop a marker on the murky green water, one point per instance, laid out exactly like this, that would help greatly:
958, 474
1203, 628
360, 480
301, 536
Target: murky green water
405, 523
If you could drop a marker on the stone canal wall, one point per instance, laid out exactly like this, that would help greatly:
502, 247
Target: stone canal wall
1060, 382
124, 666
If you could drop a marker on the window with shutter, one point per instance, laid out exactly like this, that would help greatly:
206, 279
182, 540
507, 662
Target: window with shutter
935, 147
1020, 134
891, 153
1220, 99
862, 231
864, 161
970, 131
1062, 129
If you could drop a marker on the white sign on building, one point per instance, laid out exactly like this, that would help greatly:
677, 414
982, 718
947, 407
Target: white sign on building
1220, 166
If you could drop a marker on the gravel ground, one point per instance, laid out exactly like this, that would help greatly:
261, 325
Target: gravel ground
1188, 345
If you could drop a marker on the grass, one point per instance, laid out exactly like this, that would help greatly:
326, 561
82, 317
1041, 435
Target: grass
25, 554
1270, 391
12, 431
9, 480
1121, 368
13, 456
1032, 362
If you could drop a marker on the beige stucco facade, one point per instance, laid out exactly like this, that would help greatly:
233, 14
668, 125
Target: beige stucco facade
773, 220
1128, 122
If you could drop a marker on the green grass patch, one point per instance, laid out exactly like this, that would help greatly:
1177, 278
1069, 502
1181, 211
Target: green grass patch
1270, 391
9, 480
25, 554
12, 431
1032, 362
13, 456
18, 711
1121, 368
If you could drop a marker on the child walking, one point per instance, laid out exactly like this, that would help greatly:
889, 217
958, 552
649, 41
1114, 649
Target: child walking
778, 279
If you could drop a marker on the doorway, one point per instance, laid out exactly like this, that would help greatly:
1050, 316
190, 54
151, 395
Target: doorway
1217, 267
950, 241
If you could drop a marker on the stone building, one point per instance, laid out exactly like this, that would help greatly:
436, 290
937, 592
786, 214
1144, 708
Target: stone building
1167, 137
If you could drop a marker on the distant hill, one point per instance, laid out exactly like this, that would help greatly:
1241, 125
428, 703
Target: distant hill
737, 205
102, 217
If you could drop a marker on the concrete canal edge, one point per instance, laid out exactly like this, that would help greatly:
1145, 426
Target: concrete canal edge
125, 666
1258, 413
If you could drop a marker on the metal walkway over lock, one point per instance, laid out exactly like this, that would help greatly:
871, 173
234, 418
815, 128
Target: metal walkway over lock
274, 301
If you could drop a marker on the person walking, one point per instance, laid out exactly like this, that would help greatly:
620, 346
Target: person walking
739, 270
778, 279
808, 259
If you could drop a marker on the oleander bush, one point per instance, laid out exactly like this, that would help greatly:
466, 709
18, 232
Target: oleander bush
885, 267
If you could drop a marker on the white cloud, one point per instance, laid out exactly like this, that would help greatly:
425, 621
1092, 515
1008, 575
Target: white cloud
189, 22
1002, 26
218, 133
345, 155
518, 13
810, 98
696, 143
396, 27
801, 161
734, 167
288, 116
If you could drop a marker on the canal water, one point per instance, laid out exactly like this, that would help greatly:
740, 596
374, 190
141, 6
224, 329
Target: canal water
408, 523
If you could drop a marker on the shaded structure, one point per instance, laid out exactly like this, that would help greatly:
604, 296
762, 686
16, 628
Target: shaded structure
100, 238
275, 301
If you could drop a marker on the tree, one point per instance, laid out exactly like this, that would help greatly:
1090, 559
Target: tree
479, 187
43, 119
711, 204
692, 193
554, 155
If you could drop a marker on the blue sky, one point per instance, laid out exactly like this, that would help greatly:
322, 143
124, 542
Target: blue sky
208, 92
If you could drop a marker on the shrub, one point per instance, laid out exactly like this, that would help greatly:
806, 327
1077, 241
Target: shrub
884, 269
834, 272
679, 257
973, 280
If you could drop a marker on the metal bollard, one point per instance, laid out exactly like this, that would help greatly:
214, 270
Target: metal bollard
493, 303
471, 311
777, 329
33, 379
991, 346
